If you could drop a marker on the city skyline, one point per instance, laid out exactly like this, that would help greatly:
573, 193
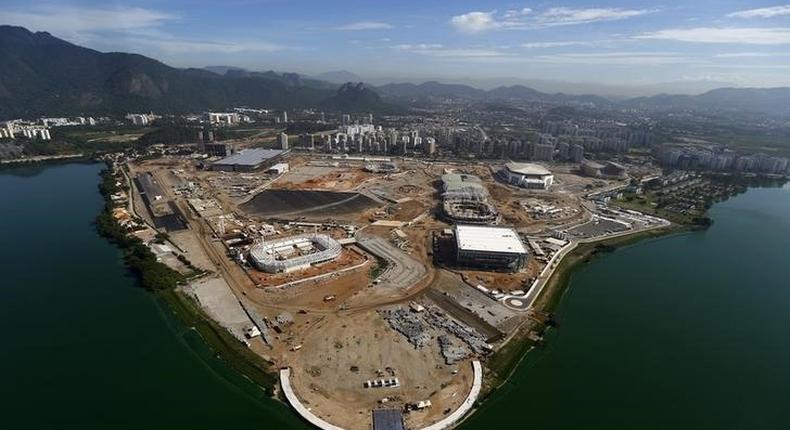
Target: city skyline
604, 42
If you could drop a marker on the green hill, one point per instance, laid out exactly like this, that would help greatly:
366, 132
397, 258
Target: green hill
43, 75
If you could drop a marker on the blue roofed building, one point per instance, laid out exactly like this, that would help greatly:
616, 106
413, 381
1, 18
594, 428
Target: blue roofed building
388, 419
248, 160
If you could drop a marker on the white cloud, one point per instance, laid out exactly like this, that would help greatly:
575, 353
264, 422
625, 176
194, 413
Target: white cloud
365, 25
765, 12
750, 66
475, 22
570, 16
173, 46
515, 13
77, 23
733, 35
752, 55
478, 22
111, 27
541, 45
438, 50
618, 58
418, 46
743, 55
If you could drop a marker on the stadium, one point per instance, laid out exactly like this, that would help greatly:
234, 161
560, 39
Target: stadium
465, 199
527, 175
294, 253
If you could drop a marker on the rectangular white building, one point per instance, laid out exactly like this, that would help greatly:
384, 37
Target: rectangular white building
490, 247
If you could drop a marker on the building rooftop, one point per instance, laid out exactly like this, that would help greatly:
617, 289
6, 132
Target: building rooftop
490, 239
615, 165
250, 157
527, 169
387, 419
462, 183
592, 164
460, 177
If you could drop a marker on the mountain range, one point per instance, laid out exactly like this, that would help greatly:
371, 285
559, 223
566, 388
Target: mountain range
767, 101
426, 91
550, 86
43, 75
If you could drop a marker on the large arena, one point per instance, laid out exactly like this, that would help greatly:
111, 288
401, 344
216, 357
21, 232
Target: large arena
294, 253
490, 247
527, 175
465, 199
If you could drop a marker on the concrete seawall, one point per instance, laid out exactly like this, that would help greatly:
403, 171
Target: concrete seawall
285, 383
447, 422
468, 403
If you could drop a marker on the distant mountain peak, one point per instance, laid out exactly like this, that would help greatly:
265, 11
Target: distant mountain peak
222, 70
339, 76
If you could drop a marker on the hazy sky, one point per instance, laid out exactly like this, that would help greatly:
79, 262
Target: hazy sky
615, 42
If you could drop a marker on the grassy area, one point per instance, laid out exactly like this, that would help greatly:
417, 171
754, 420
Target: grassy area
648, 203
101, 133
60, 146
244, 131
152, 274
501, 365
380, 267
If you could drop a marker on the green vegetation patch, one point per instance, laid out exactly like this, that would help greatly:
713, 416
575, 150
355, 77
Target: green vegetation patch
153, 275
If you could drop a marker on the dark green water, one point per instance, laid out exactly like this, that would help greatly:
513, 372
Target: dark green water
83, 347
682, 332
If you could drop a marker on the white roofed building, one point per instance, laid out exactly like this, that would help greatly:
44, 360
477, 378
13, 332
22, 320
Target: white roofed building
497, 248
527, 175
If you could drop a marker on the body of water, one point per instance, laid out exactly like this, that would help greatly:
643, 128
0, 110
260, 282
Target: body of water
83, 346
681, 332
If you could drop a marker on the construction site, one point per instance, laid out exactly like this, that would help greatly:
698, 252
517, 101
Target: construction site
380, 287
465, 200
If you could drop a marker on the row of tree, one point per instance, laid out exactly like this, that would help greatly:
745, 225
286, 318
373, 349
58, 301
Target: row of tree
153, 275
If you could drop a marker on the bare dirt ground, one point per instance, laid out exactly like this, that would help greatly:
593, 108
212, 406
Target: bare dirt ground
503, 281
485, 314
186, 240
309, 296
329, 370
342, 341
409, 210
337, 180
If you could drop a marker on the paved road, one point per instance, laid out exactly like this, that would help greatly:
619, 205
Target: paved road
403, 271
464, 315
548, 271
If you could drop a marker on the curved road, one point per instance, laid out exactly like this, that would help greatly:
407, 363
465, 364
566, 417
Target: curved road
446, 422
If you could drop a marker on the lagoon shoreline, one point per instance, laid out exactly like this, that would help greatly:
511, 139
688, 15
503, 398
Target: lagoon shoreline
499, 368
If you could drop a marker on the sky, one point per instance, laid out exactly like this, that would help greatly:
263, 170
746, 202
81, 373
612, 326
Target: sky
637, 42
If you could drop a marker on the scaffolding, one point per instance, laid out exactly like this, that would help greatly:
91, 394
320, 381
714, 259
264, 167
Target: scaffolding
294, 253
465, 199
